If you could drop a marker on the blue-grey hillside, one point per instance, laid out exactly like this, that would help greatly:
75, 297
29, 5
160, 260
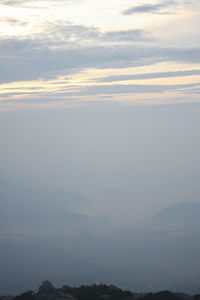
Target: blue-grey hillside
178, 218
183, 216
42, 237
35, 211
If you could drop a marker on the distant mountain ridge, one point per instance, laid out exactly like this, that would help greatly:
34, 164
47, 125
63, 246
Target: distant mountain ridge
180, 210
184, 215
41, 236
45, 210
36, 207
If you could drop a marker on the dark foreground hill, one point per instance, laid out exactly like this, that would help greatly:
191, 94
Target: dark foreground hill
95, 292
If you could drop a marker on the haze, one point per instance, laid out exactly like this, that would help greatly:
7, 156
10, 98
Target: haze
99, 144
128, 162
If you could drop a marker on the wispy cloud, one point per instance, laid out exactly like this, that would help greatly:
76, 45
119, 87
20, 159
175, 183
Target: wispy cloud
159, 8
34, 3
12, 21
154, 75
135, 35
131, 89
59, 31
43, 47
29, 59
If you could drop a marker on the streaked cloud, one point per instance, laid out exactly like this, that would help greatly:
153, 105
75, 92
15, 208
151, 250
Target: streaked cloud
12, 21
60, 31
96, 51
30, 2
131, 89
149, 75
159, 8
29, 59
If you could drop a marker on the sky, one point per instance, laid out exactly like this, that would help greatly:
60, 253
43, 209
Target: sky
128, 162
99, 132
72, 53
102, 98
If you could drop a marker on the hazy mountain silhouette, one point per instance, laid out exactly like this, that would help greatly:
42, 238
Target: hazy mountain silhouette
41, 237
35, 210
180, 216
180, 211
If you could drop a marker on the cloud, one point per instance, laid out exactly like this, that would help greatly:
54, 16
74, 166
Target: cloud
6, 21
33, 3
159, 8
131, 89
51, 46
101, 95
163, 7
29, 59
127, 35
149, 75
59, 30
195, 90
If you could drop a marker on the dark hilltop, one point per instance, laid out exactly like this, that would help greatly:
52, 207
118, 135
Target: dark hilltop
95, 292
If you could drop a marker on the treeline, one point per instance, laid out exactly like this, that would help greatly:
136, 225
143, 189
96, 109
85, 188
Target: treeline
96, 292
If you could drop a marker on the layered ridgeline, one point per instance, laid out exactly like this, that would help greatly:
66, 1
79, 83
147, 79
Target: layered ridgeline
38, 211
42, 236
95, 292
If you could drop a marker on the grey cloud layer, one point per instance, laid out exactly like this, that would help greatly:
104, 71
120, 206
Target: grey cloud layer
149, 75
131, 89
159, 8
34, 59
78, 33
127, 35
33, 3
12, 21
162, 7
103, 92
